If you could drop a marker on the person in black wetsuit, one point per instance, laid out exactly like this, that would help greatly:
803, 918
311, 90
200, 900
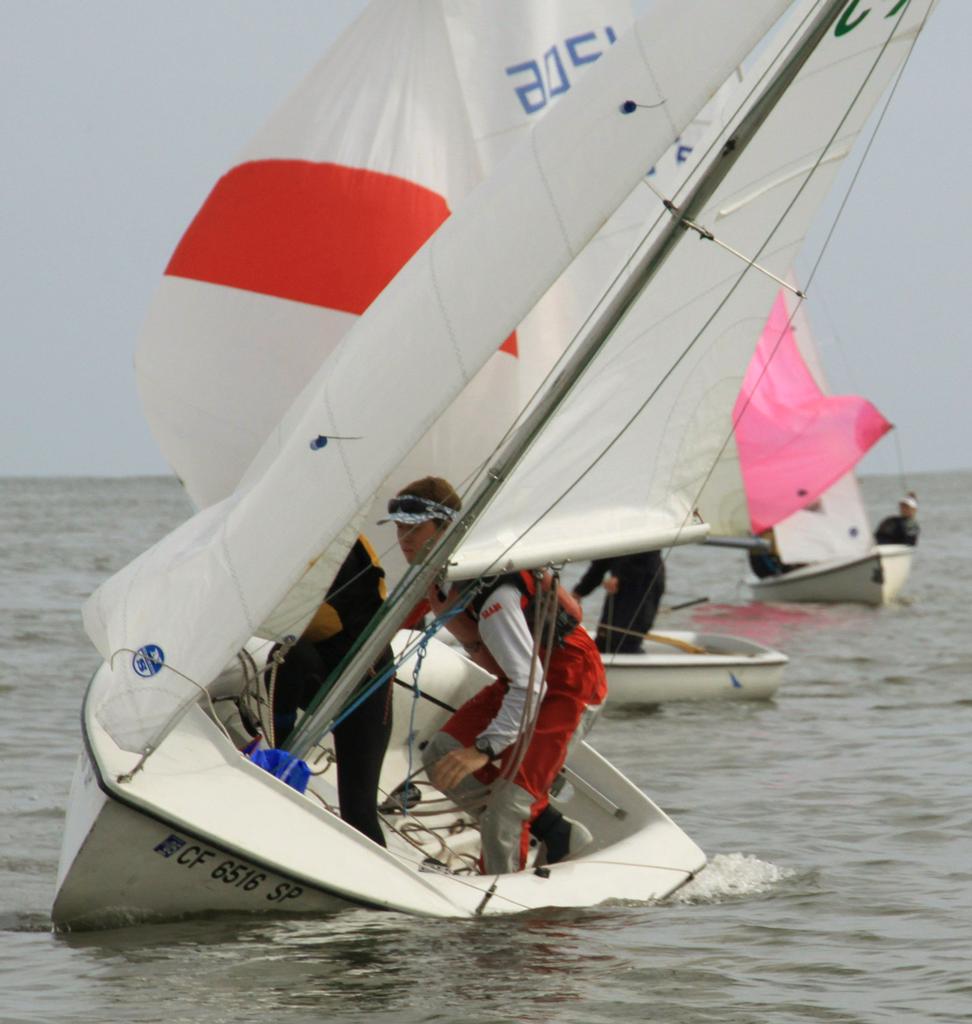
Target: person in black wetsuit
902, 528
766, 561
361, 739
634, 586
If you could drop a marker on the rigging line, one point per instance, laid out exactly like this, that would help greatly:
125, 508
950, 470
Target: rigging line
877, 127
637, 610
486, 893
419, 844
709, 178
416, 695
884, 109
150, 749
850, 374
901, 469
327, 596
691, 344
714, 144
388, 671
847, 194
477, 472
544, 620
706, 235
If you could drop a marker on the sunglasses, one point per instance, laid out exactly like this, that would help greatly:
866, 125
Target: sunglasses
410, 505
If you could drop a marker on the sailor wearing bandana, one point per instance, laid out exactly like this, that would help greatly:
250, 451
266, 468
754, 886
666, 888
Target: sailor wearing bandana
476, 758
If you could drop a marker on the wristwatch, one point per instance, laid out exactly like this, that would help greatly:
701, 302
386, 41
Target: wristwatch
485, 747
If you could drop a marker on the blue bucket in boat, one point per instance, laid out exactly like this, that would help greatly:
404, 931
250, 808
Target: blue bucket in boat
284, 766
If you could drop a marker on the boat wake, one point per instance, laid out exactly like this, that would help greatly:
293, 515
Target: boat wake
732, 875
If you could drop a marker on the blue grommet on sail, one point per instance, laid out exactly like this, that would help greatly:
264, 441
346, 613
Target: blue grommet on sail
318, 443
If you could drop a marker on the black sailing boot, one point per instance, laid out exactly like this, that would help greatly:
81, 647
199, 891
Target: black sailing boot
560, 836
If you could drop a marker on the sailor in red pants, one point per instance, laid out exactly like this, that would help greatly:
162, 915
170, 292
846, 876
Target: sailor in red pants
498, 755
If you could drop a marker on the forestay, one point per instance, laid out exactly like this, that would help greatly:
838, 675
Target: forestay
194, 598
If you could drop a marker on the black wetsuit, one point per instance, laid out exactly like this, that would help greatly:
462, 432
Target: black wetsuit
765, 563
360, 740
628, 614
898, 530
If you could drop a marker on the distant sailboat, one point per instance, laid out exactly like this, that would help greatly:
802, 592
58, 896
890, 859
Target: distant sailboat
797, 450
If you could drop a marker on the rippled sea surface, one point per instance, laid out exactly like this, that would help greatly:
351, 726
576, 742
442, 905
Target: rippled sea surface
837, 819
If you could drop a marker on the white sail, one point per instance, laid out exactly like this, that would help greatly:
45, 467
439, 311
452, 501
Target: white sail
815, 126
194, 598
410, 109
639, 490
834, 526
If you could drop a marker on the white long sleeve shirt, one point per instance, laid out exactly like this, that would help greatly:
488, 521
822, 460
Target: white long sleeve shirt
503, 629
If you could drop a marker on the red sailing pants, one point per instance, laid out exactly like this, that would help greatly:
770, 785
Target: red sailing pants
575, 680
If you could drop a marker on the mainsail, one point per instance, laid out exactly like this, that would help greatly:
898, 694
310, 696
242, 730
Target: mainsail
182, 609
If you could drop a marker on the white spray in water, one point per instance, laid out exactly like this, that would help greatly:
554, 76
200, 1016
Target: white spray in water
729, 875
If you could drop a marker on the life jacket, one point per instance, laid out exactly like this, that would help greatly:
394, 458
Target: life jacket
356, 593
534, 585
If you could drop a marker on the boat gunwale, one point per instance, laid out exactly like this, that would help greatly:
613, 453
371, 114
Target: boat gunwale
816, 570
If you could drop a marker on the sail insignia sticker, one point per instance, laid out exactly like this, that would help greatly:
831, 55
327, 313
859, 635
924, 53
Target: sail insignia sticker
148, 660
847, 22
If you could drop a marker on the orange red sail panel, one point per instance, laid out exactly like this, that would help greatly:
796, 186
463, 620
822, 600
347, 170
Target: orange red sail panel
318, 233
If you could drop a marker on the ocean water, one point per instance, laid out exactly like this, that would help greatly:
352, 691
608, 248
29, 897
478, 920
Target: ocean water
837, 819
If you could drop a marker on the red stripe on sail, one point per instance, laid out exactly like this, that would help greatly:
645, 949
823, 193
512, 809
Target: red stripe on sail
318, 233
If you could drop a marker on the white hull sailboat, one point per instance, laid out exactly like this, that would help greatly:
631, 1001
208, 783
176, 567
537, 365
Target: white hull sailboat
874, 578
819, 524
683, 665
164, 762
239, 839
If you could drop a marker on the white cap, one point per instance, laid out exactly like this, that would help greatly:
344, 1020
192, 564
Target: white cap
909, 501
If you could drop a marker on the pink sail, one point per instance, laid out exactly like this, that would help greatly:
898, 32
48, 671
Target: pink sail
794, 441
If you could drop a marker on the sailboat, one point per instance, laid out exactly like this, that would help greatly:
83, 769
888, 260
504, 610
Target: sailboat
166, 815
798, 446
387, 176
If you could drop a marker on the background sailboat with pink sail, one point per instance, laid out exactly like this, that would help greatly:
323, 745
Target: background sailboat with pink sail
798, 447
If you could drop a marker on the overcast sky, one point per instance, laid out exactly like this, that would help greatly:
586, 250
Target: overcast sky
118, 116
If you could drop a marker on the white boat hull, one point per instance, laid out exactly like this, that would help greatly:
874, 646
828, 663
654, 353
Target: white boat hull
201, 829
875, 578
731, 668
